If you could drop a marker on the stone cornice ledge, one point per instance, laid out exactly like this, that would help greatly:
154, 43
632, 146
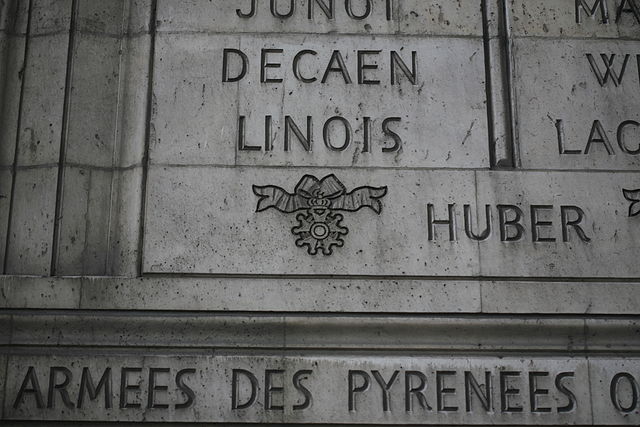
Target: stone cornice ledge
28, 330
310, 295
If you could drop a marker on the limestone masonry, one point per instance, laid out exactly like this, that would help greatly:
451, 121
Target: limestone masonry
331, 212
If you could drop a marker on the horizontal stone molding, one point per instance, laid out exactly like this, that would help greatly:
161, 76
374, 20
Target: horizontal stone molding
130, 331
321, 295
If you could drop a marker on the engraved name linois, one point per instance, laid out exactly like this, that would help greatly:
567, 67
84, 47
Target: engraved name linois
494, 392
334, 67
610, 71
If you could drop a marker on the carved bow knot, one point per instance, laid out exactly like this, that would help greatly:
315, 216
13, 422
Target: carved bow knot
311, 192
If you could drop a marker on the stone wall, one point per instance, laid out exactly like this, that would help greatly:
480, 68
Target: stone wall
320, 212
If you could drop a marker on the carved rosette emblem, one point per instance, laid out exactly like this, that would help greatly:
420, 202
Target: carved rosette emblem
634, 197
319, 228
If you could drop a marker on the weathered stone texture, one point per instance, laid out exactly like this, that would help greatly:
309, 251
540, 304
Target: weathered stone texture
202, 220
152, 164
576, 70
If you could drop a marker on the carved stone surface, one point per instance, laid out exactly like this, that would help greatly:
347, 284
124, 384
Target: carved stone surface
320, 295
190, 80
290, 389
429, 17
440, 122
575, 84
568, 120
319, 212
206, 224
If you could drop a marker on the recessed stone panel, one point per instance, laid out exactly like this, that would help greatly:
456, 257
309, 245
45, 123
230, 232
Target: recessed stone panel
43, 100
84, 233
320, 212
308, 16
303, 99
575, 18
327, 389
599, 245
579, 108
576, 71
210, 220
204, 220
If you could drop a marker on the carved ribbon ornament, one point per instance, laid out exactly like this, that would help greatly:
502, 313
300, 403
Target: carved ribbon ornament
319, 227
311, 192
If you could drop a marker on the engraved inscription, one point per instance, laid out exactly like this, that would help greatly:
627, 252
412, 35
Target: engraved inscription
335, 68
319, 83
304, 136
330, 390
609, 71
618, 382
130, 380
512, 223
610, 63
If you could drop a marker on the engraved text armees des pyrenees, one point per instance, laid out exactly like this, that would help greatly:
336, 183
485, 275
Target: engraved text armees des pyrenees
420, 393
